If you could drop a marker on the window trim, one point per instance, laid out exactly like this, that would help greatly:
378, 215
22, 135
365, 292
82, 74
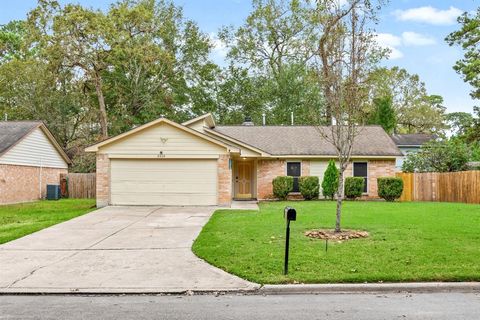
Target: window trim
368, 173
286, 169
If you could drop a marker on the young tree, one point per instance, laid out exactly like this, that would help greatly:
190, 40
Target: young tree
330, 180
347, 53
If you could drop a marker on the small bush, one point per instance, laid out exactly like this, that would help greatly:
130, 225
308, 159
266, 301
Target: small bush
309, 187
354, 187
282, 186
390, 188
330, 180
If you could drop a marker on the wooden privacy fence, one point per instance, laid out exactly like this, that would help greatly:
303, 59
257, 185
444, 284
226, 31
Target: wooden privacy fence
78, 185
463, 186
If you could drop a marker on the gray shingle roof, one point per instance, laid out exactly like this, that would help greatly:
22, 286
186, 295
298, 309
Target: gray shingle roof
306, 140
13, 131
414, 139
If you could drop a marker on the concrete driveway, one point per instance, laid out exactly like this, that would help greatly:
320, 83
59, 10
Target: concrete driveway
115, 249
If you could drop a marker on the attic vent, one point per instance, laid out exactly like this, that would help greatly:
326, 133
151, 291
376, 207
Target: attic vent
248, 121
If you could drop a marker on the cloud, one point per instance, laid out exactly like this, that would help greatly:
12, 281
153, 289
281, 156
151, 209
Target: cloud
219, 49
390, 42
429, 14
410, 38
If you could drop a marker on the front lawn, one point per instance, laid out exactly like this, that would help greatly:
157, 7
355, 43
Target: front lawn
18, 220
410, 241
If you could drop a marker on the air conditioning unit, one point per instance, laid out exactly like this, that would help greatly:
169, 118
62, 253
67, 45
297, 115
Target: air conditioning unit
53, 192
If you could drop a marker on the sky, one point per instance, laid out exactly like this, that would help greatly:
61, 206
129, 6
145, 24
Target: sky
414, 31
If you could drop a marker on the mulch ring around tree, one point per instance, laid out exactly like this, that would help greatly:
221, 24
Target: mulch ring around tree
326, 234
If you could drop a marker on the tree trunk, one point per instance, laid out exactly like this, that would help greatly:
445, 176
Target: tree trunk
101, 105
339, 202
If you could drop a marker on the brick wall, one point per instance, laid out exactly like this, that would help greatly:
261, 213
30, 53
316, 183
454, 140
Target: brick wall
224, 181
267, 170
103, 180
23, 183
377, 169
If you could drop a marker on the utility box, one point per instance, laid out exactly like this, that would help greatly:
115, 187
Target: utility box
53, 191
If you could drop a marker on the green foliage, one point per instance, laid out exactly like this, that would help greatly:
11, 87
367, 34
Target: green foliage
390, 188
467, 37
270, 50
415, 110
282, 186
384, 114
309, 187
330, 180
354, 187
439, 156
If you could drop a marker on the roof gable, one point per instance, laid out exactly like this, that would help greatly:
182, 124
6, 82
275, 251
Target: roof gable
13, 132
136, 132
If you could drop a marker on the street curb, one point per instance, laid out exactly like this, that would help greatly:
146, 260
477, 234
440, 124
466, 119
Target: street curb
413, 287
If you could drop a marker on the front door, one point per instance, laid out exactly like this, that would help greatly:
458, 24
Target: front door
243, 180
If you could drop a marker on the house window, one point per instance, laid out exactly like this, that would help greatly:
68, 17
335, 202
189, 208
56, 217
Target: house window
294, 169
360, 169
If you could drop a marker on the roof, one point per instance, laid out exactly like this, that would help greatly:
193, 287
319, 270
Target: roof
412, 139
208, 118
12, 132
94, 147
307, 140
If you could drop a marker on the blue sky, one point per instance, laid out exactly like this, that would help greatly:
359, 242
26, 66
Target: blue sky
413, 29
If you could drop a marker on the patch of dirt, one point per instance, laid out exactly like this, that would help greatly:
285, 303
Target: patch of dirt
326, 234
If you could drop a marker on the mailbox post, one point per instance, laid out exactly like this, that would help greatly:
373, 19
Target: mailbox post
290, 214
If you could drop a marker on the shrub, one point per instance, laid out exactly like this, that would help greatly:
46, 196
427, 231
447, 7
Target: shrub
330, 180
309, 187
390, 188
282, 186
354, 187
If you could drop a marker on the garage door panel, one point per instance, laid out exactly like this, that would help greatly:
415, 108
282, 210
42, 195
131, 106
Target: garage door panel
163, 182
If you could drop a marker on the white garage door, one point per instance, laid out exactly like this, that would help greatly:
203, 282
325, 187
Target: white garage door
163, 182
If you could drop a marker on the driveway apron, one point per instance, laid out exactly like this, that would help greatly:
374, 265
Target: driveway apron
116, 250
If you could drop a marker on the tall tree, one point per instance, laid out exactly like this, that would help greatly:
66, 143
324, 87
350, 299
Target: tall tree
415, 110
274, 45
347, 52
468, 37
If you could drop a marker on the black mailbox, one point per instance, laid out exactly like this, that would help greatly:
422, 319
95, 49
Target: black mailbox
290, 214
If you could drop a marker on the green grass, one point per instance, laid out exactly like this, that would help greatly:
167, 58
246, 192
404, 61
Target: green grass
18, 220
408, 242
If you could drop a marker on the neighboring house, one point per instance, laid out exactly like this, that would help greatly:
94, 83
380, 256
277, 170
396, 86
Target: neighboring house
199, 163
30, 158
408, 143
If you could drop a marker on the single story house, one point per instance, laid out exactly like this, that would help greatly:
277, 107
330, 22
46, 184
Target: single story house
200, 163
30, 158
409, 143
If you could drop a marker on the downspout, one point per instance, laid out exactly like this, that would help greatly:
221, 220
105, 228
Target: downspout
40, 178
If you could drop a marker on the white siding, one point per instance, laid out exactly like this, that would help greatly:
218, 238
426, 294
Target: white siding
163, 182
164, 138
34, 150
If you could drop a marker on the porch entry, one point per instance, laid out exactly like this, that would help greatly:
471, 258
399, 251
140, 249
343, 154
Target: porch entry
244, 180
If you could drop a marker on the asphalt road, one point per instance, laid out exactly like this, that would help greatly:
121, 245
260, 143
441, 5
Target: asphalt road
327, 306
